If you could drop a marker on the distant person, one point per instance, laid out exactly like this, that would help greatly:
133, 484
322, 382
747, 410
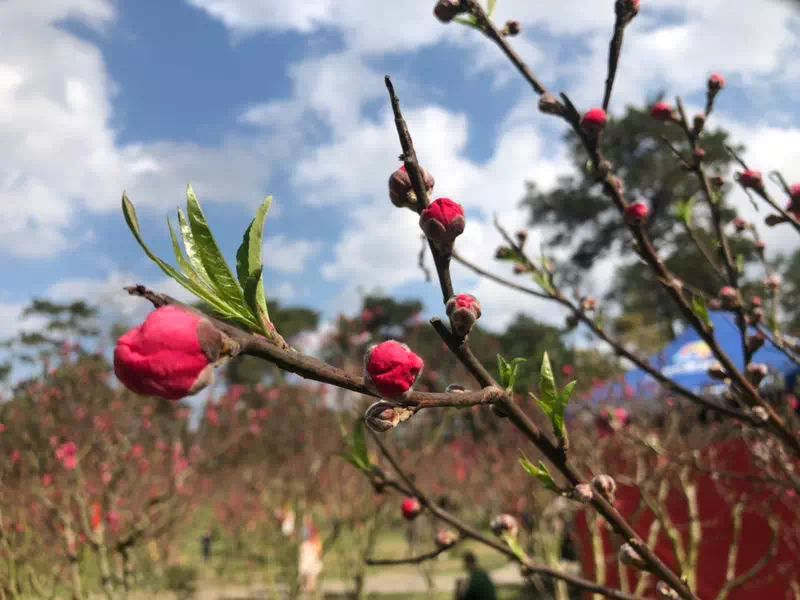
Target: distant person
205, 543
310, 556
478, 586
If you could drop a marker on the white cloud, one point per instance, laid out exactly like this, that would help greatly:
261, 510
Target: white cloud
287, 255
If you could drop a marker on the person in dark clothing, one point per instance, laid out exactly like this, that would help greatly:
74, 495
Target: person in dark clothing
205, 543
479, 586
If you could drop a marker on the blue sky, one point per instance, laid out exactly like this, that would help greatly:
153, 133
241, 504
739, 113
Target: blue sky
245, 98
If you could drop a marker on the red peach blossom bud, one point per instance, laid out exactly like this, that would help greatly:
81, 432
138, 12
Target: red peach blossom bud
760, 246
582, 493
756, 301
636, 213
171, 355
504, 524
760, 414
794, 192
401, 192
629, 556
740, 224
588, 304
594, 121
445, 538
549, 105
463, 310
698, 155
661, 111
750, 179
392, 368
519, 269
512, 28
756, 372
773, 282
411, 508
443, 221
716, 82
605, 486
67, 455
755, 341
664, 592
447, 10
383, 416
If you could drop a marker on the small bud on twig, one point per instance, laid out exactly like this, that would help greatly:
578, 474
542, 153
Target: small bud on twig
629, 556
582, 493
504, 524
446, 538
447, 10
401, 192
664, 592
442, 222
463, 310
605, 485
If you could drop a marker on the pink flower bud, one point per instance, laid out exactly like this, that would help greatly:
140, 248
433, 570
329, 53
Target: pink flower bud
47, 480
664, 592
504, 524
446, 538
636, 213
605, 486
750, 179
447, 10
773, 282
583, 493
410, 508
67, 455
756, 372
443, 221
594, 121
512, 28
740, 224
171, 355
463, 311
401, 192
661, 111
756, 301
629, 556
716, 82
760, 246
392, 368
729, 297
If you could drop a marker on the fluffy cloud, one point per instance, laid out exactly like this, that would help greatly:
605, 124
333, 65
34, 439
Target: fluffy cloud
287, 255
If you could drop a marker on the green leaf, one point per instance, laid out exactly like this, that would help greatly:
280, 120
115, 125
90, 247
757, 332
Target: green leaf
684, 210
185, 266
204, 294
547, 381
469, 21
356, 447
219, 274
554, 401
490, 7
191, 248
515, 547
540, 471
508, 372
249, 266
701, 310
740, 263
360, 442
542, 279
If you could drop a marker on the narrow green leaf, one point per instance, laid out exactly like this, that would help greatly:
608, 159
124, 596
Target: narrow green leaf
360, 443
219, 274
547, 381
740, 263
249, 266
540, 472
190, 247
508, 372
684, 210
701, 310
468, 21
185, 266
490, 7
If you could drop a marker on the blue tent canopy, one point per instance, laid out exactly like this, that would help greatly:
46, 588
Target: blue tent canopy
687, 359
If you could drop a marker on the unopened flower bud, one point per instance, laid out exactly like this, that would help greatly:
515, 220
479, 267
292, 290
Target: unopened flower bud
445, 538
594, 121
392, 368
699, 121
664, 592
504, 524
757, 315
605, 485
755, 341
572, 321
549, 105
636, 213
522, 236
626, 9
750, 179
661, 111
503, 253
442, 222
512, 28
382, 416
760, 414
716, 82
463, 310
740, 224
401, 191
717, 181
756, 301
447, 10
773, 282
172, 354
588, 304
411, 508
729, 297
698, 155
716, 371
760, 246
629, 556
582, 493
756, 372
